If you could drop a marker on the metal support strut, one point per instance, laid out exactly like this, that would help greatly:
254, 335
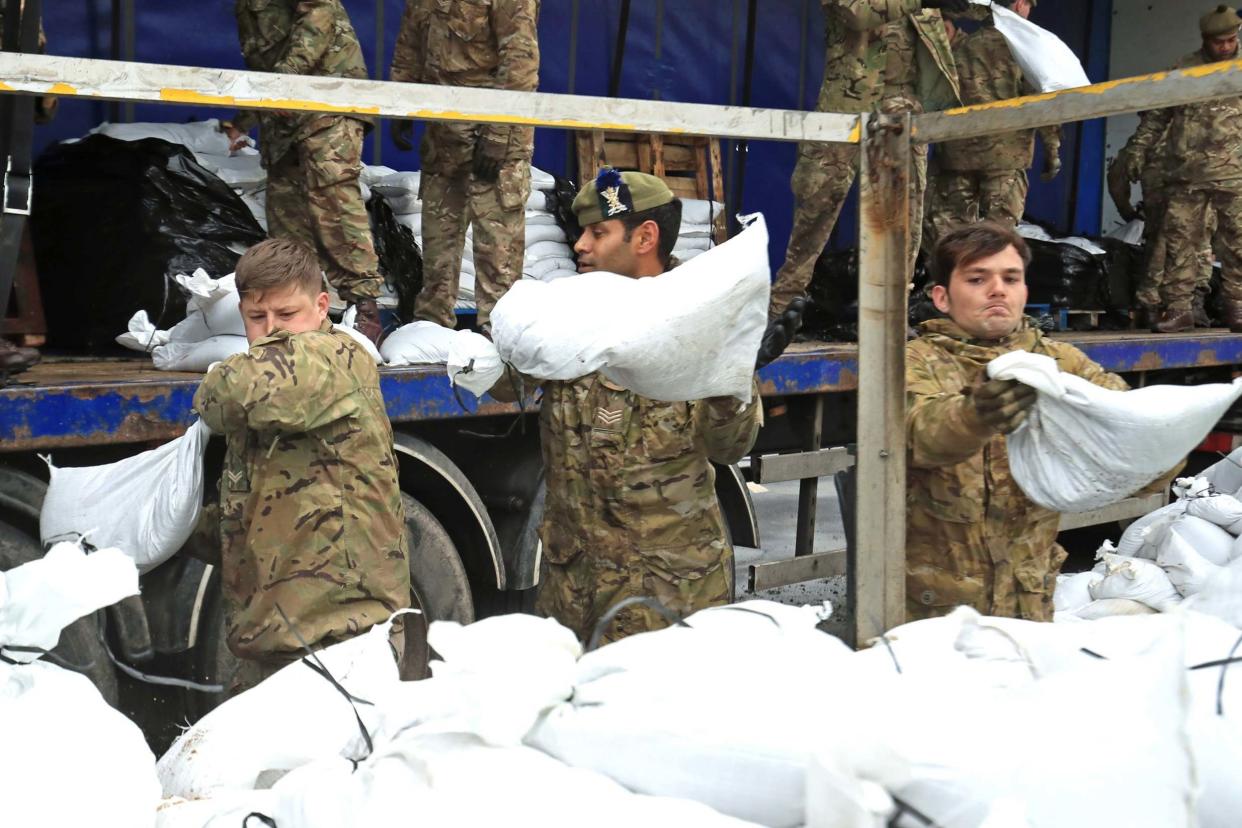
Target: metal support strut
877, 572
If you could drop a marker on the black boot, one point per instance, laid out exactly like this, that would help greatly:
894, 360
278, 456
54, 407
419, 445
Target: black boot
14, 359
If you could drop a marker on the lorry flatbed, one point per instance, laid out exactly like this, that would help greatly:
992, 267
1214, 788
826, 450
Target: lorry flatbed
69, 402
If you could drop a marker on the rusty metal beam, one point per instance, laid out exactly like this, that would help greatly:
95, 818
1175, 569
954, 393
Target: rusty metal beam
1114, 97
877, 571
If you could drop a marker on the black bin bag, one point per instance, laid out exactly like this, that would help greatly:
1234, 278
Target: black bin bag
113, 221
400, 259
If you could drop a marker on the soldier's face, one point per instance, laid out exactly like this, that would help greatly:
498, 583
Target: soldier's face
986, 297
1221, 48
287, 309
1021, 7
603, 246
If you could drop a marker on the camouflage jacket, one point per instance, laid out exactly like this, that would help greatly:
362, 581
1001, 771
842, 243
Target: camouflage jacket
987, 72
885, 50
489, 44
630, 477
311, 513
294, 37
1204, 140
972, 536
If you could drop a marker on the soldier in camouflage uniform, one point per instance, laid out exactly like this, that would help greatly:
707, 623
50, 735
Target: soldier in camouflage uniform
311, 512
973, 537
474, 175
631, 504
986, 177
1154, 181
1204, 152
313, 159
882, 55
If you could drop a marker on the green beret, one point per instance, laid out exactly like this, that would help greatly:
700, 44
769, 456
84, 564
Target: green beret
614, 194
1219, 22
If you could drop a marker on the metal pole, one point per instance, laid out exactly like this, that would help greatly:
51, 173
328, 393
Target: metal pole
877, 576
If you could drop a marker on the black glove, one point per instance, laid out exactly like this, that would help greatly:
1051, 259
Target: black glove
955, 6
780, 333
1002, 405
488, 157
402, 133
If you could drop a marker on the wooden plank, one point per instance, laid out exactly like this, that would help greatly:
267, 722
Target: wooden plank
878, 577
776, 468
657, 154
1131, 507
796, 570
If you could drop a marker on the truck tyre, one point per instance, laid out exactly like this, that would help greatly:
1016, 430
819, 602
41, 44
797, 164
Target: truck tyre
439, 589
79, 642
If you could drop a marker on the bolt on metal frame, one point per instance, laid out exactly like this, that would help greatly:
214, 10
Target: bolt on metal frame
877, 573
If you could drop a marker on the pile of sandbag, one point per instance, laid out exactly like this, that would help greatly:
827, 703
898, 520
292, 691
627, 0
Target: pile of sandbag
1189, 551
698, 227
213, 329
916, 730
66, 758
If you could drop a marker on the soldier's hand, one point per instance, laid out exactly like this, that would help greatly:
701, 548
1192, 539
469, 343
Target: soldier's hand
1052, 167
1002, 405
488, 158
402, 134
780, 332
955, 6
237, 138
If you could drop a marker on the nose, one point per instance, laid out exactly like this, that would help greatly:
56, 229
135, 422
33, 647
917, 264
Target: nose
997, 286
582, 244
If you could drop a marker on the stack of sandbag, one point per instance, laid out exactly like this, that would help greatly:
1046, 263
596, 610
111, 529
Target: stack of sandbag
698, 226
67, 758
1084, 447
213, 329
687, 334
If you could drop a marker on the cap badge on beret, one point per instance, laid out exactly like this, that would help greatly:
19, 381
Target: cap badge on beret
614, 193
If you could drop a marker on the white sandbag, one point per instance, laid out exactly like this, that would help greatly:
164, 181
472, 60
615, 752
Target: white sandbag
68, 757
1188, 571
693, 243
559, 273
699, 211
687, 334
539, 219
647, 711
371, 173
1224, 510
1110, 607
198, 136
218, 300
141, 335
417, 343
694, 231
1221, 596
40, 598
1071, 593
348, 325
547, 250
543, 267
414, 221
242, 171
1047, 63
191, 330
1137, 579
1203, 537
539, 233
1131, 232
146, 504
224, 809
1133, 542
197, 356
473, 362
1084, 447
400, 190
288, 720
540, 180
1225, 474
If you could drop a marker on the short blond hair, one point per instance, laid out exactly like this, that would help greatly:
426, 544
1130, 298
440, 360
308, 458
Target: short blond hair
273, 264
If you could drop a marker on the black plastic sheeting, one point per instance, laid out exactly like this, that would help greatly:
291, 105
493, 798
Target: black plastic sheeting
400, 259
113, 221
560, 203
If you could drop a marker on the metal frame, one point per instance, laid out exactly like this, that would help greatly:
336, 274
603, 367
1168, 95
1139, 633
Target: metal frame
878, 576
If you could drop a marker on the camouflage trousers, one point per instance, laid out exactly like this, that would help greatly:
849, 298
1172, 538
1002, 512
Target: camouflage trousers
1187, 230
453, 199
822, 179
313, 196
966, 196
1155, 251
580, 592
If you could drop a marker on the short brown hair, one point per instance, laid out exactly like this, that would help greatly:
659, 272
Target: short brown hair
273, 264
968, 243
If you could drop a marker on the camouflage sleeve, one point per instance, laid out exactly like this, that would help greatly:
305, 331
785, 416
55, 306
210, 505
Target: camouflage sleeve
310, 36
514, 386
727, 427
1073, 361
515, 23
407, 55
281, 385
1152, 125
942, 428
245, 120
861, 15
